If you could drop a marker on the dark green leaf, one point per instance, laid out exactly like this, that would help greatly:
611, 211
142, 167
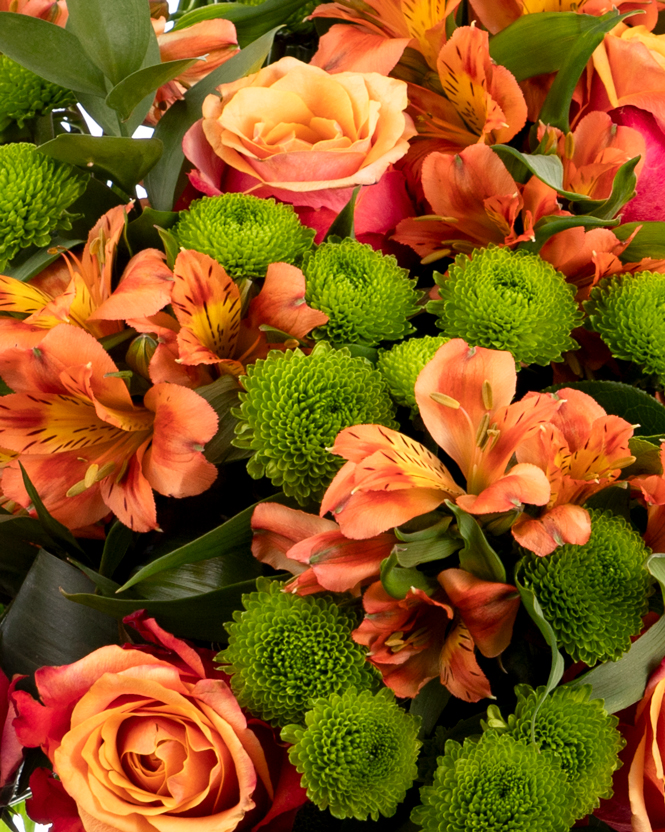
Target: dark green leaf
50, 51
222, 396
104, 116
536, 44
38, 259
162, 181
428, 704
125, 161
622, 683
116, 546
535, 611
477, 556
556, 109
232, 537
425, 551
114, 35
59, 534
618, 399
343, 224
18, 536
198, 616
648, 242
398, 581
143, 233
549, 169
170, 245
549, 226
616, 499
197, 578
129, 93
251, 22
43, 628
105, 585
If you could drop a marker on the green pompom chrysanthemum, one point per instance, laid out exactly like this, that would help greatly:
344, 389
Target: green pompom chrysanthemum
35, 192
24, 95
244, 233
366, 295
594, 595
508, 300
627, 312
579, 732
294, 407
496, 784
357, 753
401, 366
285, 651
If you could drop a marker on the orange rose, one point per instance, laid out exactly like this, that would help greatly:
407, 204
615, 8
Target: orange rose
299, 128
151, 739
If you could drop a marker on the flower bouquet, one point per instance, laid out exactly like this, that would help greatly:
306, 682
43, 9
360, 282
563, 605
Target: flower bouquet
332, 424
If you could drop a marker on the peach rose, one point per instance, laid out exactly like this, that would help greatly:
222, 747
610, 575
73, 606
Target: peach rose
151, 739
298, 128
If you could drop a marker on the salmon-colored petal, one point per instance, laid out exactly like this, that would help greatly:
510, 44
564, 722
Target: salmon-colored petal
488, 609
130, 498
460, 672
214, 40
349, 49
524, 483
144, 288
562, 524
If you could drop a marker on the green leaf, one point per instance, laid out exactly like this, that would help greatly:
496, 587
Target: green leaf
228, 539
556, 108
129, 93
43, 628
105, 585
622, 683
143, 231
618, 399
549, 169
477, 556
425, 551
17, 550
170, 244
62, 538
615, 498
251, 22
549, 226
647, 458
198, 616
428, 704
49, 51
222, 396
535, 611
117, 543
398, 581
114, 35
38, 259
197, 578
648, 242
162, 181
104, 116
343, 224
536, 44
126, 161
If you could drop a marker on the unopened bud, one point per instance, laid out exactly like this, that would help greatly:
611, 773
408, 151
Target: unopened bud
140, 353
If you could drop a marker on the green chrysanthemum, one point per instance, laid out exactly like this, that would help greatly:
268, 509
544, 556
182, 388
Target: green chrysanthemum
35, 192
357, 753
594, 595
294, 407
285, 651
496, 784
244, 233
401, 366
508, 300
628, 312
24, 95
579, 732
366, 295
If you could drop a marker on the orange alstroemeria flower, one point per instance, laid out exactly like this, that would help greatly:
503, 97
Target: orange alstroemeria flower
582, 450
475, 201
480, 101
210, 328
421, 637
80, 293
87, 448
464, 397
316, 551
381, 32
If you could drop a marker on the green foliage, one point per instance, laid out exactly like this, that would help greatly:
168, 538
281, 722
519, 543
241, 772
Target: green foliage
366, 295
286, 651
244, 233
294, 407
506, 300
497, 784
24, 95
579, 732
357, 753
35, 192
627, 312
595, 595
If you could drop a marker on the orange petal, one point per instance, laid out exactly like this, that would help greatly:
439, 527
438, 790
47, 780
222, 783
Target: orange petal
562, 524
460, 672
351, 49
524, 483
144, 288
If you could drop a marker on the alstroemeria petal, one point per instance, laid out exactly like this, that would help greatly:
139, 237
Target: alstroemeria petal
460, 672
144, 289
524, 483
567, 523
